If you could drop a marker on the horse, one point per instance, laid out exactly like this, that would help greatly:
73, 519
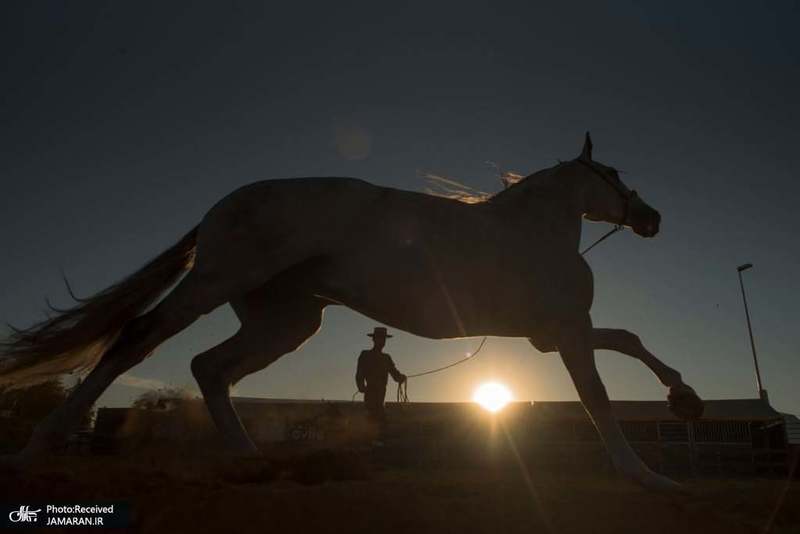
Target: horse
280, 251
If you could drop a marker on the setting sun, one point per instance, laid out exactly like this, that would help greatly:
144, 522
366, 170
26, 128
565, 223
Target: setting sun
493, 396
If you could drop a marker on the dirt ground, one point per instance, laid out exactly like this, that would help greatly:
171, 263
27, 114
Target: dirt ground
353, 491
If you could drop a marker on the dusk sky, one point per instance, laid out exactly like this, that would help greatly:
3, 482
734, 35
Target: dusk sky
122, 123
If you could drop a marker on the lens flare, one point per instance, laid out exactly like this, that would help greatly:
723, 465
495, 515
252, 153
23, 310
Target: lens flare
492, 396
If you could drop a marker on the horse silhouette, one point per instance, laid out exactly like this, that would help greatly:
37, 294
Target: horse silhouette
281, 251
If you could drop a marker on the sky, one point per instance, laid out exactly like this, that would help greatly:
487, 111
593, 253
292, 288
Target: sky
122, 123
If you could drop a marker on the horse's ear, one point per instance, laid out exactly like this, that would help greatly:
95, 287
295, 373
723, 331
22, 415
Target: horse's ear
587, 148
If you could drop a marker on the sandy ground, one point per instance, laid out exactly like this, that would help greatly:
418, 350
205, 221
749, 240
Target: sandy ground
354, 491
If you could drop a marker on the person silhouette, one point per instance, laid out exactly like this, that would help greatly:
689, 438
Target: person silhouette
372, 375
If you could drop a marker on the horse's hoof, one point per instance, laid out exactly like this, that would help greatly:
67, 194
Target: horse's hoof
655, 482
637, 471
243, 450
685, 403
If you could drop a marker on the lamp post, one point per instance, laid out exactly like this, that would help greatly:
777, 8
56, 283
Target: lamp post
762, 393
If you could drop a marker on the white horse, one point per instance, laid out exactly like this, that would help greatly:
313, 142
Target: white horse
280, 251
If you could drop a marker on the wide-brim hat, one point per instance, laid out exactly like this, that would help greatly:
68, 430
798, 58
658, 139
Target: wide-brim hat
379, 331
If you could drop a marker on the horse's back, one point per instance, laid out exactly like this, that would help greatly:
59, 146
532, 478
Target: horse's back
323, 204
276, 196
270, 225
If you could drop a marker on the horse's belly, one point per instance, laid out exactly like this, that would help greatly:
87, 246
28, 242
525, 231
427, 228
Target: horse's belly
432, 304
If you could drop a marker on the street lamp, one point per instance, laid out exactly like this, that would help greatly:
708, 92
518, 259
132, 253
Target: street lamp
762, 393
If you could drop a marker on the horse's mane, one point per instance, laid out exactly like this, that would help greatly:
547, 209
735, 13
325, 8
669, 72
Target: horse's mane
446, 187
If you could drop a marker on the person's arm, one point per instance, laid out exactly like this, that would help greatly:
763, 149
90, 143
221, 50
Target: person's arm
360, 378
397, 375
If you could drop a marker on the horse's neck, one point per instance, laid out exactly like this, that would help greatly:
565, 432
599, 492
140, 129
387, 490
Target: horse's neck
544, 199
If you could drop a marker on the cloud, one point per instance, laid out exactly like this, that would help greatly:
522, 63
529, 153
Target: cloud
129, 380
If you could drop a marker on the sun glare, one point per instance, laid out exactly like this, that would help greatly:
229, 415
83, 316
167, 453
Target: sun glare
492, 396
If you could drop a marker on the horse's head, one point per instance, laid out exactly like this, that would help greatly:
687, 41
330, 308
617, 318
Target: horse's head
608, 199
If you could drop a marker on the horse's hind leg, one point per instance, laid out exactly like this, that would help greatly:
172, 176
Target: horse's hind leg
191, 298
273, 324
683, 400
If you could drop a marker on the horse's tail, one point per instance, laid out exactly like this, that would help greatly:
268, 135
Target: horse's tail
74, 339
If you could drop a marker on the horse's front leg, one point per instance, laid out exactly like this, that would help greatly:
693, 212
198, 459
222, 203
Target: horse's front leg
575, 346
683, 401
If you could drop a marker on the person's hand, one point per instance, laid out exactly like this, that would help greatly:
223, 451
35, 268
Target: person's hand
403, 378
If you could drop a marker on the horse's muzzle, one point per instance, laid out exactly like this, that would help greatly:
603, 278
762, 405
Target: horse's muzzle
648, 224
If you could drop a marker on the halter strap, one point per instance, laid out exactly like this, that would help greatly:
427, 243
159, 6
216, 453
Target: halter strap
626, 195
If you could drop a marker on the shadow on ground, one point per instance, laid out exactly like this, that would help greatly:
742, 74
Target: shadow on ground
355, 491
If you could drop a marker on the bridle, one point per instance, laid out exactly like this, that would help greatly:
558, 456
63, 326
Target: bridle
627, 196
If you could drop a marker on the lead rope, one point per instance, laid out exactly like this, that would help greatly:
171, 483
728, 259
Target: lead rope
402, 387
614, 230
